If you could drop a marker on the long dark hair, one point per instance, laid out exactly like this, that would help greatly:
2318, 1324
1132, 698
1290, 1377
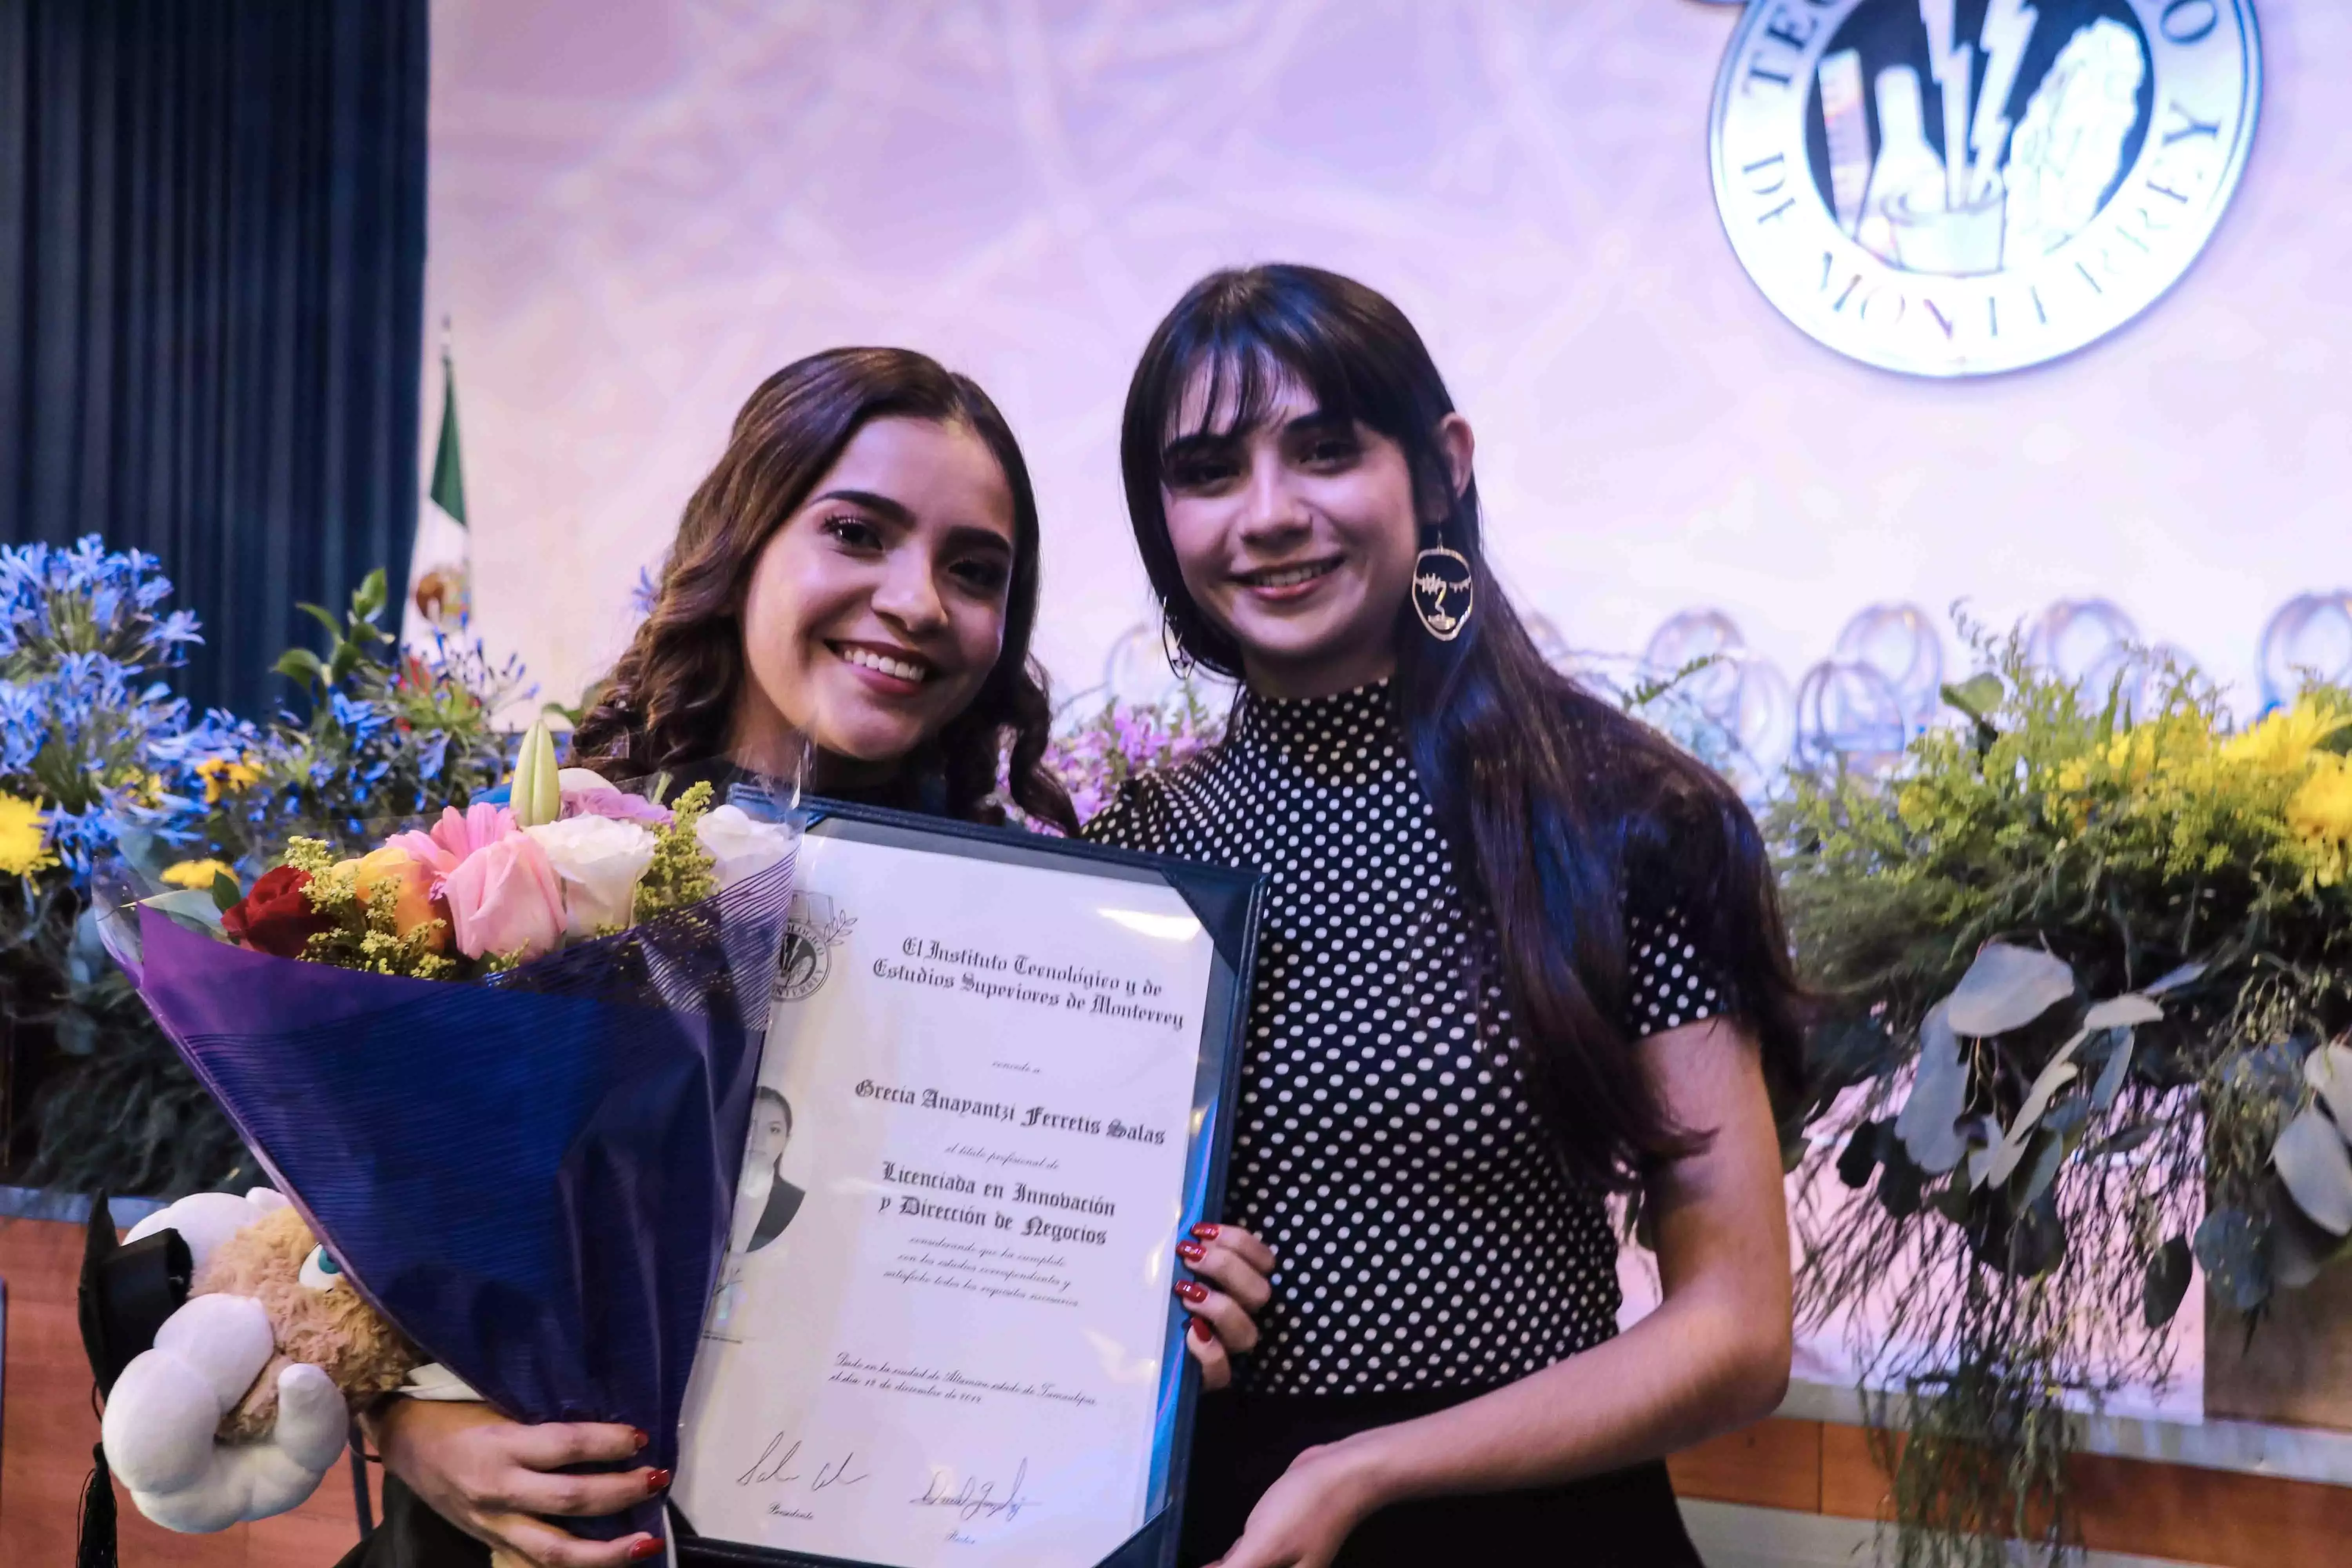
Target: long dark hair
1567, 816
671, 697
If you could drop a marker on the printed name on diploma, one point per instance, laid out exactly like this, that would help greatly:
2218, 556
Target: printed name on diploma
997, 977
1012, 1115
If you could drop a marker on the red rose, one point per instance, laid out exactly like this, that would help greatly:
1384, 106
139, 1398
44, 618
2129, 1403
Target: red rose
276, 918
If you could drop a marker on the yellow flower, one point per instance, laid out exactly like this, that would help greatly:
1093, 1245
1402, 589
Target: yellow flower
2283, 741
221, 775
2074, 775
2321, 810
23, 837
198, 873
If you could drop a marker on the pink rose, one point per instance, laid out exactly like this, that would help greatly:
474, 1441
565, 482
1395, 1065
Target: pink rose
504, 897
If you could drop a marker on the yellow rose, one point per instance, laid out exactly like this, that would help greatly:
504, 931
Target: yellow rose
23, 837
198, 873
410, 883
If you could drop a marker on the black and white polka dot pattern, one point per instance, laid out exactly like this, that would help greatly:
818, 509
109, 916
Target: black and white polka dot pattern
1385, 1148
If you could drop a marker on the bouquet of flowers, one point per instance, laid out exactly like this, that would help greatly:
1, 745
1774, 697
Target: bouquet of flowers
502, 1064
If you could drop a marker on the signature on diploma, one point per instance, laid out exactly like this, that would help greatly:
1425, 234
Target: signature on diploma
775, 1467
977, 1499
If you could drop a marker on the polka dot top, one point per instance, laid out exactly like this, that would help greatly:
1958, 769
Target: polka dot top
1384, 1147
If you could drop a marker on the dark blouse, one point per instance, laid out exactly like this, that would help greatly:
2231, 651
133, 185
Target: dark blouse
1385, 1148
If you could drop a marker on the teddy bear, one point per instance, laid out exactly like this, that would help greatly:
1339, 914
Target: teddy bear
243, 1402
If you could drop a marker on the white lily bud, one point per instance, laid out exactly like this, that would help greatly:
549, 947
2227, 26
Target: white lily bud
537, 798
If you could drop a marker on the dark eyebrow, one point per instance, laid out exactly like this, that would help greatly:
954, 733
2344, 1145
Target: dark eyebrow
1314, 422
895, 510
967, 537
963, 536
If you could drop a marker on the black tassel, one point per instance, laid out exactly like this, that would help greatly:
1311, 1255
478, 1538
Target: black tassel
94, 1546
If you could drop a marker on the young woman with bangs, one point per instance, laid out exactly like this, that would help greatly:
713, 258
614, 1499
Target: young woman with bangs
851, 591
1520, 954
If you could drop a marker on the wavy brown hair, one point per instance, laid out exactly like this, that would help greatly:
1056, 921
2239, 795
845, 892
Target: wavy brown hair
671, 698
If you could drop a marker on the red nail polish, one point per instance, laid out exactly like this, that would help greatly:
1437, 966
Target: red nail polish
1192, 1290
1201, 1332
1191, 1251
645, 1550
639, 1435
655, 1481
1205, 1231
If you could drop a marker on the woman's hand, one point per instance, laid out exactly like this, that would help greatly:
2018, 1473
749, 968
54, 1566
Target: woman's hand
1237, 1266
488, 1476
1307, 1516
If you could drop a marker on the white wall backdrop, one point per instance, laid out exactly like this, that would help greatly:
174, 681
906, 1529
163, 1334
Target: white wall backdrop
640, 208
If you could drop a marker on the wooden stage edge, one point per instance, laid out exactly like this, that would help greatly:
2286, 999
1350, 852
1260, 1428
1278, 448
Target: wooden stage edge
2226, 1518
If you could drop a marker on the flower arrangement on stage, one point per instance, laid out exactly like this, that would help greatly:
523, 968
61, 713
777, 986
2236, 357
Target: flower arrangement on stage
101, 765
1094, 757
2087, 975
93, 748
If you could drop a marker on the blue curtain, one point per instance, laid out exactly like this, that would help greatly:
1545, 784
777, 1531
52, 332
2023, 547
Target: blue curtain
212, 261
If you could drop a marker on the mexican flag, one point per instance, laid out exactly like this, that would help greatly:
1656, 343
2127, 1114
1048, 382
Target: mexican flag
440, 566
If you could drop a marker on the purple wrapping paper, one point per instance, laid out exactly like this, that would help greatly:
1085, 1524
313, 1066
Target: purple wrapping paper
531, 1176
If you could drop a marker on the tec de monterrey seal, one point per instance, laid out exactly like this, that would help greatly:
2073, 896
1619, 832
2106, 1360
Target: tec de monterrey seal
1957, 187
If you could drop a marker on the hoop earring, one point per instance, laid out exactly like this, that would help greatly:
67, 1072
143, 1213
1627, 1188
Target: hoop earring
1180, 658
1439, 575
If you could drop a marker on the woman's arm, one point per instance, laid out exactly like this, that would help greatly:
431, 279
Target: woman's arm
488, 1476
1714, 1356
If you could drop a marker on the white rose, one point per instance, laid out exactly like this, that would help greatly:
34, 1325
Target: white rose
740, 847
600, 860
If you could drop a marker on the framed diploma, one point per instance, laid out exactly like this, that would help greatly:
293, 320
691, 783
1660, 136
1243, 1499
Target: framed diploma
998, 1089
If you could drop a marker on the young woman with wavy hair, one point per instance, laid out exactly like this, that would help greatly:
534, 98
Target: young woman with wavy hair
856, 581
852, 588
1520, 954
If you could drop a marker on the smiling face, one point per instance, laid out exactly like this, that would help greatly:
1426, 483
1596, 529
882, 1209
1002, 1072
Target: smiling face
877, 611
1296, 534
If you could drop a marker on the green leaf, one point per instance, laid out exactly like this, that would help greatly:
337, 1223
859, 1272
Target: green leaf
1978, 696
1861, 1155
2122, 1012
2049, 1152
2311, 1159
301, 664
2056, 1075
226, 893
2007, 988
2123, 1141
2328, 1070
2167, 1285
1939, 1094
368, 598
2300, 1250
2229, 1248
327, 618
189, 906
2110, 1083
1899, 1187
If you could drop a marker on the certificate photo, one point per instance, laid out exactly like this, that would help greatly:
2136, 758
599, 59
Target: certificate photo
997, 1090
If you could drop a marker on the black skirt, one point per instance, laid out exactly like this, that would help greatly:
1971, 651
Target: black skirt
1242, 1442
